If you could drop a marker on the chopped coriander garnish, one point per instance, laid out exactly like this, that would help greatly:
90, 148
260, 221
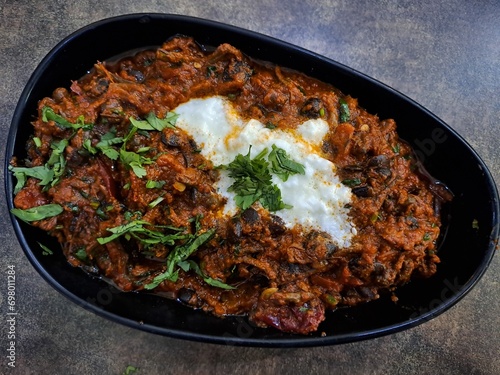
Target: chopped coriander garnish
179, 254
37, 141
57, 161
178, 258
150, 184
139, 229
281, 164
87, 145
155, 202
49, 173
253, 179
351, 182
42, 173
105, 145
48, 114
271, 199
81, 254
187, 265
154, 123
344, 112
38, 213
46, 250
134, 161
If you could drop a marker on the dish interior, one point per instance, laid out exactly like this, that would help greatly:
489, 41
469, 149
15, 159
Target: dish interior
465, 251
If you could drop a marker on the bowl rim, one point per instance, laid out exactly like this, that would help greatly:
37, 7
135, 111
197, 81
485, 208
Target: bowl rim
305, 341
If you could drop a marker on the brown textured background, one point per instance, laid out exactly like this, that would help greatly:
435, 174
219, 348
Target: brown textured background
443, 54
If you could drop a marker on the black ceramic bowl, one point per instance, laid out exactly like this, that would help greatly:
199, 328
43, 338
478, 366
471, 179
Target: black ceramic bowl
466, 250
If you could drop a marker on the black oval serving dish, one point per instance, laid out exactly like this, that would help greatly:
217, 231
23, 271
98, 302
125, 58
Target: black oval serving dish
466, 249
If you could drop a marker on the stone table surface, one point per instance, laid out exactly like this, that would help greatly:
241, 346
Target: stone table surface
443, 54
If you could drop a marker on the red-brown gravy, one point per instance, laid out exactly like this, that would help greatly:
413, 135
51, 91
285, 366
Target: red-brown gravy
281, 277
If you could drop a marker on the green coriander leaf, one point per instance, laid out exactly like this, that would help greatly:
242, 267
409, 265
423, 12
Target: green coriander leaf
81, 254
351, 182
282, 165
49, 173
344, 112
143, 150
217, 283
42, 173
160, 124
134, 161
46, 250
37, 141
38, 213
154, 123
111, 153
121, 230
150, 184
137, 229
178, 255
108, 140
87, 145
185, 265
48, 114
141, 124
183, 252
192, 265
250, 175
105, 145
253, 180
170, 276
57, 160
197, 223
245, 201
271, 199
211, 70
138, 169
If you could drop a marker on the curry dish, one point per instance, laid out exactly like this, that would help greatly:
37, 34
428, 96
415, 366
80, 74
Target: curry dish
135, 195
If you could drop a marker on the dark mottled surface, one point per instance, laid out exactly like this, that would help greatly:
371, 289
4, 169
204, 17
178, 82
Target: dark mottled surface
444, 54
